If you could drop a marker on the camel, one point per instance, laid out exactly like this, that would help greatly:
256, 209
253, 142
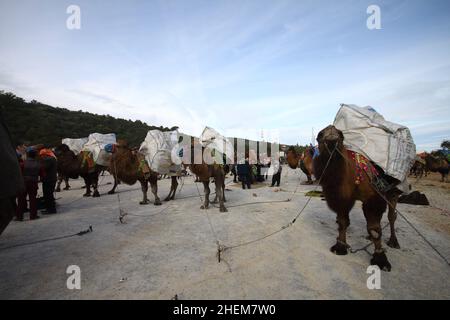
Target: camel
342, 186
129, 166
304, 161
206, 171
417, 169
434, 163
72, 166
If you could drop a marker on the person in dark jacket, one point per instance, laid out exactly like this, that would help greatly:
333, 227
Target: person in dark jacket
11, 182
31, 171
244, 173
49, 164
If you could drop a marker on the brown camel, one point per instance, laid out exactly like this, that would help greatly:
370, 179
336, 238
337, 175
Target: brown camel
417, 169
434, 163
216, 171
204, 172
72, 166
304, 161
129, 166
342, 186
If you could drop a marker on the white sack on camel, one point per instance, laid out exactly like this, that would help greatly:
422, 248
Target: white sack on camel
213, 140
76, 145
158, 147
96, 145
388, 144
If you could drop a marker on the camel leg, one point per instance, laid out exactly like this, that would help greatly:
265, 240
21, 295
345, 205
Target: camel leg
223, 190
173, 189
392, 216
58, 184
144, 188
87, 182
66, 182
95, 175
343, 220
207, 192
373, 211
154, 186
220, 192
113, 190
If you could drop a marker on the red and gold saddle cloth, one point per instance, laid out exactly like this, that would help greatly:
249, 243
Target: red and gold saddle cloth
87, 160
362, 164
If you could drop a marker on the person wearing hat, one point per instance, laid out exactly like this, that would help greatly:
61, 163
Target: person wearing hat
49, 164
31, 171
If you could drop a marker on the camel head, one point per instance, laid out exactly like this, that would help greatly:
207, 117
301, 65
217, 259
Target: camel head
61, 149
330, 138
121, 146
292, 158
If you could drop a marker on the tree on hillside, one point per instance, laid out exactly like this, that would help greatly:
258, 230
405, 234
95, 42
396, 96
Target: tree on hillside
445, 144
36, 122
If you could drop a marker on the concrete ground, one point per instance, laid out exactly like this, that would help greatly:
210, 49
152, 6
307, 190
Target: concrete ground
163, 251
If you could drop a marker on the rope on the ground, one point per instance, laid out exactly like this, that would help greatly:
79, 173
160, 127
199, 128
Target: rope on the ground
83, 232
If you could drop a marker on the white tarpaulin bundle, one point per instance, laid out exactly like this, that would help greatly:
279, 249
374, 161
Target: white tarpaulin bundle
388, 144
96, 145
76, 145
212, 139
158, 147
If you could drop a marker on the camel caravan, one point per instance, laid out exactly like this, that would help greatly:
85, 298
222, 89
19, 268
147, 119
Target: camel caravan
361, 156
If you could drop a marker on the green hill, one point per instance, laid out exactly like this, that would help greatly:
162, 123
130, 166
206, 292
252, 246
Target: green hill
34, 122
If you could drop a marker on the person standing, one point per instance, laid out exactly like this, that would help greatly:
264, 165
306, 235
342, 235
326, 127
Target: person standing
11, 182
31, 171
49, 164
244, 173
276, 178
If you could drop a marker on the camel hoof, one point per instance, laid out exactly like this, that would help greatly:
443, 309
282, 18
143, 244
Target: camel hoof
380, 259
144, 202
339, 249
223, 209
111, 192
96, 194
167, 199
157, 203
203, 207
393, 243
57, 190
87, 195
66, 188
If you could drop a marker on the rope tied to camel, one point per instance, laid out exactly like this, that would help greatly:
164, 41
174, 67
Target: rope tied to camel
289, 224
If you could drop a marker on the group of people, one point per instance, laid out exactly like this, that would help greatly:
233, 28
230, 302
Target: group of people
248, 173
37, 164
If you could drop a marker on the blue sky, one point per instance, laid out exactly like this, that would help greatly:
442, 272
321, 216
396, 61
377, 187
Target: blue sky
237, 66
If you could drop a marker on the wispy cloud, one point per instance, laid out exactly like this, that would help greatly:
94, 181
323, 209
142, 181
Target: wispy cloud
237, 66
